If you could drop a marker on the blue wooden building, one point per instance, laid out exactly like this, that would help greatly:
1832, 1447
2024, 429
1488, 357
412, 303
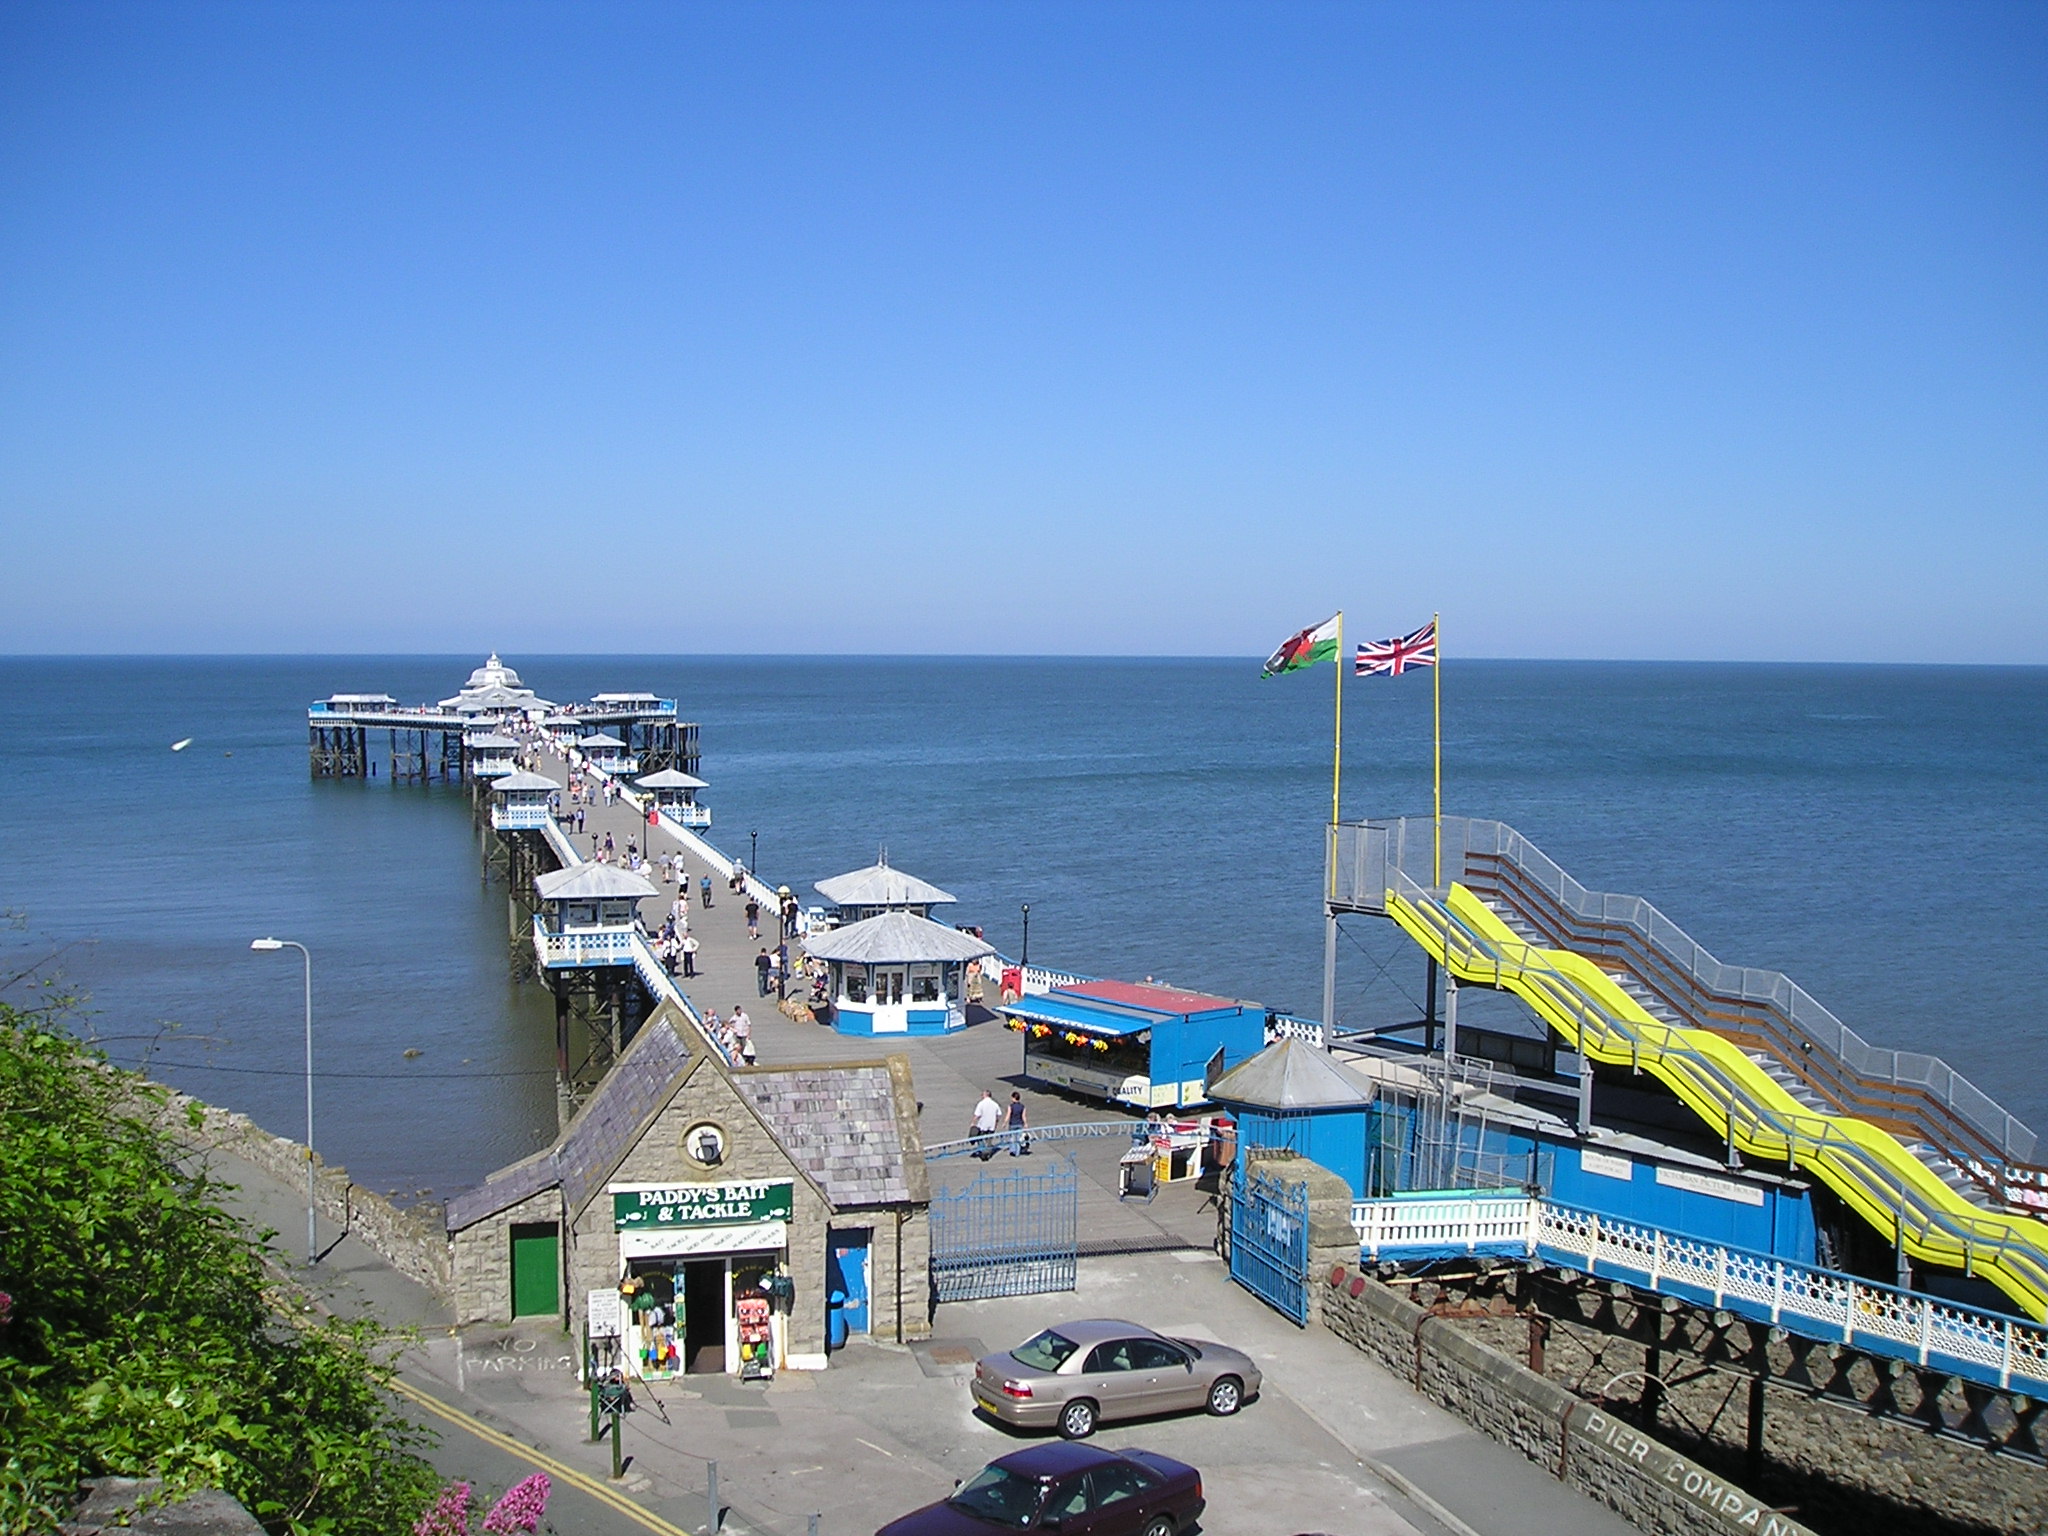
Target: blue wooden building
1134, 1043
1293, 1095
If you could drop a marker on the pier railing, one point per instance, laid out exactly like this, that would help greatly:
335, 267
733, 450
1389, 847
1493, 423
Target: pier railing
581, 947
1986, 1347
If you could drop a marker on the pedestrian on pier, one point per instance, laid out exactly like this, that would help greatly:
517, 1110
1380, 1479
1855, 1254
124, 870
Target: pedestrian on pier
781, 972
707, 893
689, 948
753, 918
981, 1125
762, 966
579, 821
1019, 1138
743, 1034
609, 846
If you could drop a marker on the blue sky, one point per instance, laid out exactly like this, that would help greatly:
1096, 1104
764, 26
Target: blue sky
1713, 331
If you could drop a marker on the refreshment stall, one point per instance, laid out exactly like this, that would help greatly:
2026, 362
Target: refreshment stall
1134, 1043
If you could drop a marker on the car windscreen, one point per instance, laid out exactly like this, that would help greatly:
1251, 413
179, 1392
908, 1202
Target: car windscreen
1048, 1351
1000, 1495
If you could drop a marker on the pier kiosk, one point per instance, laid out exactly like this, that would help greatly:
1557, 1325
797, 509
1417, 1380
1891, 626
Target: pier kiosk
1133, 1043
606, 752
675, 796
586, 915
863, 893
897, 974
491, 756
1294, 1095
689, 1204
495, 689
520, 802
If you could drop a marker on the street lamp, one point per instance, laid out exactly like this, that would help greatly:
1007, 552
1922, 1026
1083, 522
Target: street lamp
266, 945
754, 852
1025, 958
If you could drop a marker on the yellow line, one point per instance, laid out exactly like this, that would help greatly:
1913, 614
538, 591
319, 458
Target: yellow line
610, 1497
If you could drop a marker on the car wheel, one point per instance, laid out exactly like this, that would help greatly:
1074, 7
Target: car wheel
1161, 1525
1226, 1396
1077, 1419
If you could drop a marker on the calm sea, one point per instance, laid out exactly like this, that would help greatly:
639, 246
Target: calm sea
1881, 833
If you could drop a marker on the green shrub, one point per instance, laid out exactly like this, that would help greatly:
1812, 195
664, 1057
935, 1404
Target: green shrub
144, 1337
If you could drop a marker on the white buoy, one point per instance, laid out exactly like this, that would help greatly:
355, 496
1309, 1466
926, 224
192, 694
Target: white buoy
179, 746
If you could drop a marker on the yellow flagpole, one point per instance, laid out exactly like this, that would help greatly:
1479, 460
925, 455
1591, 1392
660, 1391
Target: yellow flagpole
1337, 747
1437, 679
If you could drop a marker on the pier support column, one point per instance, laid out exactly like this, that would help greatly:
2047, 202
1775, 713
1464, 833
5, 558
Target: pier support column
1585, 1093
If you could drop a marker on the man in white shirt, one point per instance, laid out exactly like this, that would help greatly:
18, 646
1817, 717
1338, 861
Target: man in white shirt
987, 1116
742, 1029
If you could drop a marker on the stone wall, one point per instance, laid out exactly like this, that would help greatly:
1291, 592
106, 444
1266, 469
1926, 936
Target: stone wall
882, 1287
1645, 1482
412, 1239
482, 1257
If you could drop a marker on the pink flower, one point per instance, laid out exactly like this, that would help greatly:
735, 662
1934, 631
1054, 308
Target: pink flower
449, 1514
521, 1508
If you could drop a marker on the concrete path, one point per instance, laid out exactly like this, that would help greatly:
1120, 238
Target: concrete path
1334, 1444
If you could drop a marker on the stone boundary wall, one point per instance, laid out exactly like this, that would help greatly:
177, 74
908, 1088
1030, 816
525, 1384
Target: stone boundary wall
1645, 1482
413, 1240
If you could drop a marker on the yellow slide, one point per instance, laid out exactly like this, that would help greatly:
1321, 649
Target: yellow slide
1876, 1176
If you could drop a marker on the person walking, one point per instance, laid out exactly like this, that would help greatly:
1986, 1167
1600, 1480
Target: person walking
742, 1034
1019, 1138
753, 918
981, 1125
775, 974
689, 947
707, 893
762, 966
781, 972
579, 821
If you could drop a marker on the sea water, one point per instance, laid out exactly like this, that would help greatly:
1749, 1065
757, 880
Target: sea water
1880, 833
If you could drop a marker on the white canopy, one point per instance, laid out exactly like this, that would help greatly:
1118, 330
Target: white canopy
668, 778
896, 938
592, 882
600, 742
525, 780
880, 886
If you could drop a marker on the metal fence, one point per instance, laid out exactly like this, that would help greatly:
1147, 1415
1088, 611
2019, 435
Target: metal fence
1007, 1234
1269, 1240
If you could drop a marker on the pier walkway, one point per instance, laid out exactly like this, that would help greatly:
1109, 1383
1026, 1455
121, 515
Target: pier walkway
950, 1071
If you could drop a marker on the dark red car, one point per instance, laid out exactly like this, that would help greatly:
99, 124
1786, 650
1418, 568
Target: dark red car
1070, 1488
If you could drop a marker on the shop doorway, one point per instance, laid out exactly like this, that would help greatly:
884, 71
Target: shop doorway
703, 1312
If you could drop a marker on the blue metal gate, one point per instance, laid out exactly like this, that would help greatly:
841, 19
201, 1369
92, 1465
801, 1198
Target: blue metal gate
1007, 1234
1269, 1241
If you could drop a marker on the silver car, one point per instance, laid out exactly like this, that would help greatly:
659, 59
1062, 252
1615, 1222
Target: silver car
1078, 1375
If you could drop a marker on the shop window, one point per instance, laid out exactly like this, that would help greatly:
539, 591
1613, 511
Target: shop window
924, 989
857, 985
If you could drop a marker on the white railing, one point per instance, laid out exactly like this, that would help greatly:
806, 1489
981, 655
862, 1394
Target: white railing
520, 818
583, 946
1988, 1347
662, 987
695, 817
1282, 1026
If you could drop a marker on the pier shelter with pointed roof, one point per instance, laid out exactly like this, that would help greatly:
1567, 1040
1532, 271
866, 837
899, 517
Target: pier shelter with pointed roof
521, 802
490, 755
1294, 1094
682, 1184
585, 915
606, 752
675, 796
897, 973
865, 893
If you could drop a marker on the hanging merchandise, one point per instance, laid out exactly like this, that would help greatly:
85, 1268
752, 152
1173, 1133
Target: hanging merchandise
757, 1345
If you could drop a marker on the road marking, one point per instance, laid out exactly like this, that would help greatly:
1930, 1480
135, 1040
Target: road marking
874, 1447
611, 1498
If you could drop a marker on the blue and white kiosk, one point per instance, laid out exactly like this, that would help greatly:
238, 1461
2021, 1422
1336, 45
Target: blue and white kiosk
491, 756
675, 796
1294, 1095
1134, 1043
522, 802
897, 973
608, 753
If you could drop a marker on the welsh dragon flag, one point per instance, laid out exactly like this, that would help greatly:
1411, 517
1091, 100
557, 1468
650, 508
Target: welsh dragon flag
1305, 649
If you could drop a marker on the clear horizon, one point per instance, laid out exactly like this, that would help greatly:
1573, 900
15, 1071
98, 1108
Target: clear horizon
1684, 332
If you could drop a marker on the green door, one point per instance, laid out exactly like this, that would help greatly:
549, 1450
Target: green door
536, 1271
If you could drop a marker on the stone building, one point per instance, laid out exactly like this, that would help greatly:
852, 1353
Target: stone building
685, 1192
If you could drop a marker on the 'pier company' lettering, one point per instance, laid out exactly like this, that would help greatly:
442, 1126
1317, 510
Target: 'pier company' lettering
1730, 1503
699, 1205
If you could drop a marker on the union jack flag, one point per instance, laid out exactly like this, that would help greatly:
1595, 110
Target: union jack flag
1390, 658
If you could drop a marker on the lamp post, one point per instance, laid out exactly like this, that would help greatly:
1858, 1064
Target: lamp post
754, 851
265, 945
1025, 958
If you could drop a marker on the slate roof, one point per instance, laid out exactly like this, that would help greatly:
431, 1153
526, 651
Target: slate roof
894, 938
852, 1128
604, 1130
591, 882
1290, 1074
880, 886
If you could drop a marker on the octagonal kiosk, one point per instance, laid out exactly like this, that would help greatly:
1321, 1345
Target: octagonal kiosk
675, 796
491, 756
586, 916
865, 893
520, 802
897, 974
1296, 1095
